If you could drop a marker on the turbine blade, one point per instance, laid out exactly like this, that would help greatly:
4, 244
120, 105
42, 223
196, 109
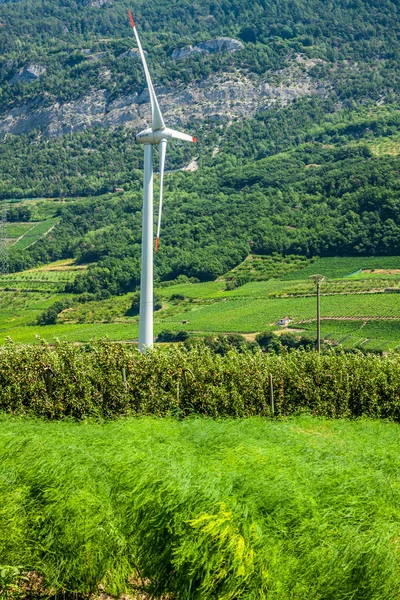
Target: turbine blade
162, 147
180, 136
157, 118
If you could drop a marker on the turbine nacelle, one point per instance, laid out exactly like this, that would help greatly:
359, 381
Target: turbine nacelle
148, 136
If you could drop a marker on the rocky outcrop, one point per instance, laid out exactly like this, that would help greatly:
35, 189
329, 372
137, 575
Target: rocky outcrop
223, 44
57, 119
29, 73
97, 3
131, 53
221, 97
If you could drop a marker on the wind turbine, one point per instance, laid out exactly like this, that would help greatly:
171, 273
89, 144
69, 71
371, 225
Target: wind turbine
158, 134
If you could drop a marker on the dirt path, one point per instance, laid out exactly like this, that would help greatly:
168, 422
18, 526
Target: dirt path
42, 236
24, 234
361, 318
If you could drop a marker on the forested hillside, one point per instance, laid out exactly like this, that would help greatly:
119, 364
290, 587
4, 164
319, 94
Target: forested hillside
298, 131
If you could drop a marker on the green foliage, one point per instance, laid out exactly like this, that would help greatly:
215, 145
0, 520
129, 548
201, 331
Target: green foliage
366, 335
346, 266
262, 268
172, 336
222, 344
49, 316
201, 509
88, 381
19, 213
317, 177
16, 230
10, 578
270, 342
77, 41
34, 233
215, 217
302, 180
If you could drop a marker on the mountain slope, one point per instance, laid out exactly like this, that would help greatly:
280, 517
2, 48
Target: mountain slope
298, 130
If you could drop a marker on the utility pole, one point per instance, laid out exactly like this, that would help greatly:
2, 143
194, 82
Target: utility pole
318, 279
4, 266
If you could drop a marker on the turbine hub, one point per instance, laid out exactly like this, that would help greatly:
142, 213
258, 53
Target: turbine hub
148, 136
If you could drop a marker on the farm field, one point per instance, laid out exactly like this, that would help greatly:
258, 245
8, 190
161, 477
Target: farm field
385, 145
345, 266
246, 315
212, 307
52, 277
35, 233
79, 332
379, 334
16, 230
85, 504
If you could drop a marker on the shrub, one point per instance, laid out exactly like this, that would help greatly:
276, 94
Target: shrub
269, 341
49, 316
108, 380
172, 336
177, 298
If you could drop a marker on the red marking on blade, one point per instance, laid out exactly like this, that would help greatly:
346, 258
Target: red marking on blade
194, 139
131, 18
157, 243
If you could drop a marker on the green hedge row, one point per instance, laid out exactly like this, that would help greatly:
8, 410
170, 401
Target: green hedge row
109, 380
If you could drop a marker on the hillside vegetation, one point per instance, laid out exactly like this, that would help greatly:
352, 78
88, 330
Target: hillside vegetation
312, 200
76, 39
360, 303
310, 173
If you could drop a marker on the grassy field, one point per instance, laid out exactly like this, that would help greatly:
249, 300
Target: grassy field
80, 332
16, 230
382, 335
355, 288
345, 266
247, 315
52, 277
292, 509
35, 233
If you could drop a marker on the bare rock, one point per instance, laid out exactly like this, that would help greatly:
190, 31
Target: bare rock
131, 53
97, 3
222, 97
29, 73
222, 44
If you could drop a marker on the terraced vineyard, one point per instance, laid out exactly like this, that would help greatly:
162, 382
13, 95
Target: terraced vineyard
346, 266
35, 233
248, 315
378, 334
51, 277
361, 311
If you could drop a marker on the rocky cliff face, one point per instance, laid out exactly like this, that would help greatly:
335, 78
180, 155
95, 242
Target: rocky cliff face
223, 44
221, 97
97, 3
29, 73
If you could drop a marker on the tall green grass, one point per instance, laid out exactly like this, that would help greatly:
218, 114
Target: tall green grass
296, 509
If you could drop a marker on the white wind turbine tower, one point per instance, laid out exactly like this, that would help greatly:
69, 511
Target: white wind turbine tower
158, 134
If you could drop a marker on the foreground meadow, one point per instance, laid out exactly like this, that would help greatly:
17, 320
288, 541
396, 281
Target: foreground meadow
295, 508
